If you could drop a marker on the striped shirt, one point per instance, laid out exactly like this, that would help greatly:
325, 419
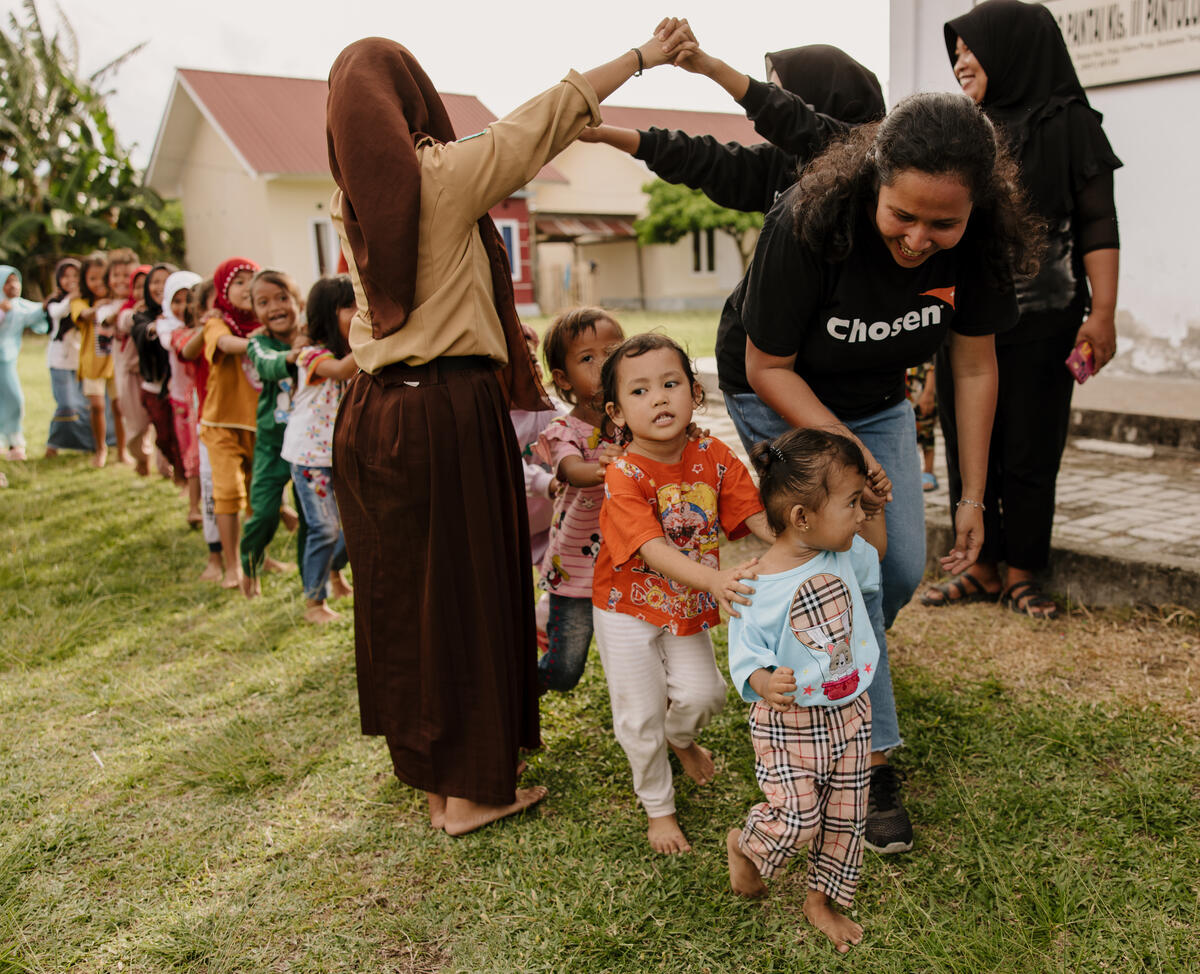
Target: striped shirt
574, 541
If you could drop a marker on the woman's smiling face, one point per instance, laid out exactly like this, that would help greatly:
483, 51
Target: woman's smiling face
919, 214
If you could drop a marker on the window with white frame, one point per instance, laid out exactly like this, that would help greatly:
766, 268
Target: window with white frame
325, 248
510, 233
704, 251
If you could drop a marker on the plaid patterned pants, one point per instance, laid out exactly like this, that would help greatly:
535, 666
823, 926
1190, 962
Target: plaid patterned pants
813, 766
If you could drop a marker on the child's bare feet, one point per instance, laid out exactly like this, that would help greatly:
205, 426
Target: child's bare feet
320, 614
195, 519
744, 876
437, 810
213, 570
837, 927
251, 586
124, 459
464, 816
16, 453
339, 588
231, 578
51, 452
142, 467
697, 762
289, 517
666, 836
278, 567
100, 458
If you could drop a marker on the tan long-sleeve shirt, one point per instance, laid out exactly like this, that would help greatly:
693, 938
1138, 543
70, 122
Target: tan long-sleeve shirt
453, 309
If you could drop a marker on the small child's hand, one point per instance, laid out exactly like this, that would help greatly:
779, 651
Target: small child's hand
727, 587
781, 689
610, 453
291, 356
695, 433
554, 487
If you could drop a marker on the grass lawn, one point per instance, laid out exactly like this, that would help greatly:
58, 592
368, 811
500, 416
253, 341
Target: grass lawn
183, 787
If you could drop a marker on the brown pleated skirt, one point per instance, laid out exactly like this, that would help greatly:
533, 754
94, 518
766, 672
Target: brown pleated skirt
428, 480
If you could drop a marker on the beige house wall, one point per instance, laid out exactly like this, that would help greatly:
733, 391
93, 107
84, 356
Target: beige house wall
604, 180
299, 209
224, 208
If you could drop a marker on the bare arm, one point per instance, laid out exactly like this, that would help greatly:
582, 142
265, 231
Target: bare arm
757, 523
698, 62
1100, 326
194, 346
666, 45
775, 381
874, 531
973, 365
724, 585
627, 140
232, 345
337, 369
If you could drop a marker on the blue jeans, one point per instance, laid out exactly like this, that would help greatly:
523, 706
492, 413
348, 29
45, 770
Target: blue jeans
324, 546
891, 436
569, 630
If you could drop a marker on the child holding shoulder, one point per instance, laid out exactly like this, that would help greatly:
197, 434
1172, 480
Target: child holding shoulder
227, 420
577, 449
277, 306
325, 363
804, 654
658, 581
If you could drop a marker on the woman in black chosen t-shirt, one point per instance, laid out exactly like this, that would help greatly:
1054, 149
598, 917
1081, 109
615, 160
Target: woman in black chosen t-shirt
902, 237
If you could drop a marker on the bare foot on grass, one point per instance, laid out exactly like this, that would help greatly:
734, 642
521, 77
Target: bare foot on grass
437, 810
231, 578
278, 567
744, 876
124, 459
213, 570
320, 614
100, 458
339, 588
697, 762
666, 837
251, 586
464, 816
839, 928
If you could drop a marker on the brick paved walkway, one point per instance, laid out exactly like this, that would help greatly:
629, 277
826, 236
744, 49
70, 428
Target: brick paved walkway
1136, 508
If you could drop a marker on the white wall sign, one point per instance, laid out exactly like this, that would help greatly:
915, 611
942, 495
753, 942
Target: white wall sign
1127, 40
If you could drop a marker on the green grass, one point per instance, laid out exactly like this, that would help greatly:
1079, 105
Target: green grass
183, 788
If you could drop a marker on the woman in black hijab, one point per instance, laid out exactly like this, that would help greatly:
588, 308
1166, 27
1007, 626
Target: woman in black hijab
1011, 59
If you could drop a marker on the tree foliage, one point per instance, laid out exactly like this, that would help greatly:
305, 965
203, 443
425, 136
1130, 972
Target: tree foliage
675, 211
67, 185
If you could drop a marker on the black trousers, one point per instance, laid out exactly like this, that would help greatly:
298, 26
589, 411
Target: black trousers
1033, 415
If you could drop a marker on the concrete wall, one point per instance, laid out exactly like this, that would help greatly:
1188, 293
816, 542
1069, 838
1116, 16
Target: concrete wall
295, 203
224, 208
1151, 127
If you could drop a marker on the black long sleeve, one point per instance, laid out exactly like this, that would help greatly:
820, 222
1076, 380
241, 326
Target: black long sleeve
737, 176
1095, 216
788, 122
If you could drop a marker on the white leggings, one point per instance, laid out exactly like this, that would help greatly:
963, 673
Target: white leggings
211, 534
662, 688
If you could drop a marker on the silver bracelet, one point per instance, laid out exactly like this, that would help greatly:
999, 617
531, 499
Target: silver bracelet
970, 504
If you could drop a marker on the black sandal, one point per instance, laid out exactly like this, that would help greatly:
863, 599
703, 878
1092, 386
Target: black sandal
954, 592
1023, 597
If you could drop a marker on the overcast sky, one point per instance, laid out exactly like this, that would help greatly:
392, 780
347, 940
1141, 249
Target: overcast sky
501, 52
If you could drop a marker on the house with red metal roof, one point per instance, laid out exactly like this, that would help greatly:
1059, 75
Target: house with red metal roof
246, 156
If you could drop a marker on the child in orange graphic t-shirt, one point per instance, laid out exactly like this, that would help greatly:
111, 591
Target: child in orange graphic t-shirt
658, 584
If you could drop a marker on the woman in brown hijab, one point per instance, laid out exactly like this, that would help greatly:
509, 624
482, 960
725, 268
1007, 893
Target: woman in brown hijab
426, 467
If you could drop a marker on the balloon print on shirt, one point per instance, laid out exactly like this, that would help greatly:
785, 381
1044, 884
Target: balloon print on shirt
820, 617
